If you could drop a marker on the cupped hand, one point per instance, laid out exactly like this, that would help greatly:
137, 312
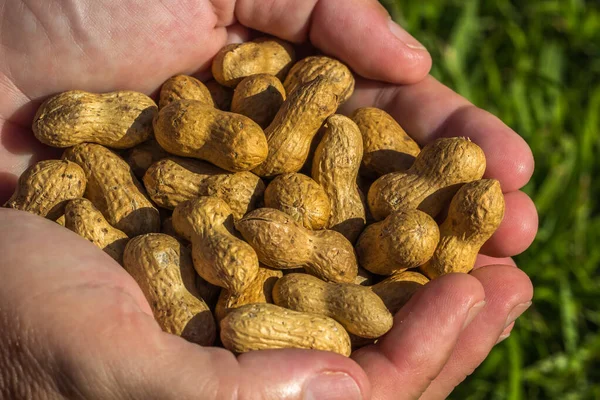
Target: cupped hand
73, 324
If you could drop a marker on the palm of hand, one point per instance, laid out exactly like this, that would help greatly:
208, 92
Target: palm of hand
104, 339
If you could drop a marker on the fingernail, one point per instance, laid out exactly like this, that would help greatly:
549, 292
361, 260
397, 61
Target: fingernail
332, 386
516, 313
503, 337
405, 37
476, 309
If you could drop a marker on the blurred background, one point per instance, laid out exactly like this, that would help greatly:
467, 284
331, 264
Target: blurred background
536, 65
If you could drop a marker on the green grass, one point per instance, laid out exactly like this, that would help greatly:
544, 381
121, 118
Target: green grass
536, 65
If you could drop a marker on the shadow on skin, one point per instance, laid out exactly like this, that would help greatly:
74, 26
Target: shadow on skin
16, 138
8, 183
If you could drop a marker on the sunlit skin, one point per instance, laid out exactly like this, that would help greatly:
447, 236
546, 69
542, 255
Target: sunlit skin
74, 324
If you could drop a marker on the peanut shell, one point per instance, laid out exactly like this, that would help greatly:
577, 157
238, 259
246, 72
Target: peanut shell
119, 120
163, 269
266, 326
46, 187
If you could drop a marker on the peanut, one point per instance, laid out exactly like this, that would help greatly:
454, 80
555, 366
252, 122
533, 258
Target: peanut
260, 290
114, 190
405, 239
85, 220
387, 147
333, 70
396, 290
360, 311
183, 87
335, 168
173, 180
219, 256
142, 156
208, 291
282, 243
266, 326
163, 269
265, 55
290, 134
438, 172
46, 187
119, 120
300, 197
190, 128
221, 95
475, 213
258, 97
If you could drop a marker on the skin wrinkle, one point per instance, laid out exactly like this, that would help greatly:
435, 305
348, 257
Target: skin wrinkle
25, 364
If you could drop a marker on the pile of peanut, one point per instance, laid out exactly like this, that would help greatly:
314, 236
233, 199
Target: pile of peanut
241, 200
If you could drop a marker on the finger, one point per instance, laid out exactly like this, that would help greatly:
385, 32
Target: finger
425, 331
508, 292
359, 32
428, 110
484, 261
506, 333
236, 33
177, 369
65, 260
517, 230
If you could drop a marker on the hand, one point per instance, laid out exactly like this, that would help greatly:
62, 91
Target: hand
73, 324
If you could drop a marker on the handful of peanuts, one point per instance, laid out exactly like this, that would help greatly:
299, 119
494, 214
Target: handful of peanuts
247, 206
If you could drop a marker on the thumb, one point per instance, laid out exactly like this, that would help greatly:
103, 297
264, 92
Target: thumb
185, 370
359, 32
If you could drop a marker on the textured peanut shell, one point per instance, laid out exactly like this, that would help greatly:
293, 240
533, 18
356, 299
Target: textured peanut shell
290, 134
438, 172
258, 97
174, 180
260, 290
387, 147
119, 120
267, 326
475, 213
114, 190
265, 55
333, 70
88, 222
396, 290
189, 128
282, 243
142, 156
219, 256
301, 198
207, 291
360, 311
46, 187
183, 87
335, 167
221, 95
163, 269
405, 239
